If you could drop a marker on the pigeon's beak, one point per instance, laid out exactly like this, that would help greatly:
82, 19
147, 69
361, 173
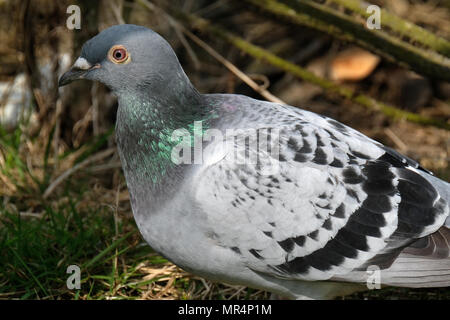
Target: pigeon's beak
78, 71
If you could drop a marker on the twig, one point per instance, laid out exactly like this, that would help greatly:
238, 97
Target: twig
94, 106
80, 127
186, 44
96, 157
58, 113
105, 167
116, 236
398, 142
251, 83
116, 9
210, 7
31, 215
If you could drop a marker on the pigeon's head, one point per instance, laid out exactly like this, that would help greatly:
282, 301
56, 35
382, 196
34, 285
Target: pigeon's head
127, 58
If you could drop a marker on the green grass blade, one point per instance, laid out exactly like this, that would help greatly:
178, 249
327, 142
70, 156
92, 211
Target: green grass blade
104, 252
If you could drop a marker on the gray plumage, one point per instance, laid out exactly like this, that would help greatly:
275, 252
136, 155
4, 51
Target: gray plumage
306, 223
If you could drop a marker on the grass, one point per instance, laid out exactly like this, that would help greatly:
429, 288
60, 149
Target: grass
88, 222
36, 252
84, 224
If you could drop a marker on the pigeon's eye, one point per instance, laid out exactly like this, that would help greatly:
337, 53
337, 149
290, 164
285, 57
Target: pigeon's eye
118, 54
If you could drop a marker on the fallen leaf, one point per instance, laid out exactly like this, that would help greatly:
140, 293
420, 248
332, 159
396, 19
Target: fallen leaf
353, 64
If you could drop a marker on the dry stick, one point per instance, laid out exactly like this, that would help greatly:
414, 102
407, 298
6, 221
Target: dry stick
402, 147
252, 84
176, 26
116, 9
327, 85
56, 134
116, 237
9, 186
340, 26
105, 167
94, 106
400, 26
80, 127
31, 215
96, 157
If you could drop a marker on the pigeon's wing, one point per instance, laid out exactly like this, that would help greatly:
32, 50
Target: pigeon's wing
319, 201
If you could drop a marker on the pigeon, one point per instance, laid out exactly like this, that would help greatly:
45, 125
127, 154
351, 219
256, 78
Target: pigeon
261, 194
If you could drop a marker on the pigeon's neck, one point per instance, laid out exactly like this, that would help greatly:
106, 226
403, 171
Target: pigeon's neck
144, 130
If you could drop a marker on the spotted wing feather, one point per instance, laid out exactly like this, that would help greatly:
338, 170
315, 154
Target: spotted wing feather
338, 201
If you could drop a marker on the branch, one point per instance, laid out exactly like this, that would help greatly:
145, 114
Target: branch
238, 73
400, 26
96, 157
340, 26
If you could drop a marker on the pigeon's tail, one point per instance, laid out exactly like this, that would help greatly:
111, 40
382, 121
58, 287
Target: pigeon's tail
444, 191
426, 263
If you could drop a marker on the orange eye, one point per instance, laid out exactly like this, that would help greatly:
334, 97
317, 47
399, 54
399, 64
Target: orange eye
118, 54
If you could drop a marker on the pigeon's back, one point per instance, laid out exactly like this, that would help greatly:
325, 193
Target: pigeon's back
338, 204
